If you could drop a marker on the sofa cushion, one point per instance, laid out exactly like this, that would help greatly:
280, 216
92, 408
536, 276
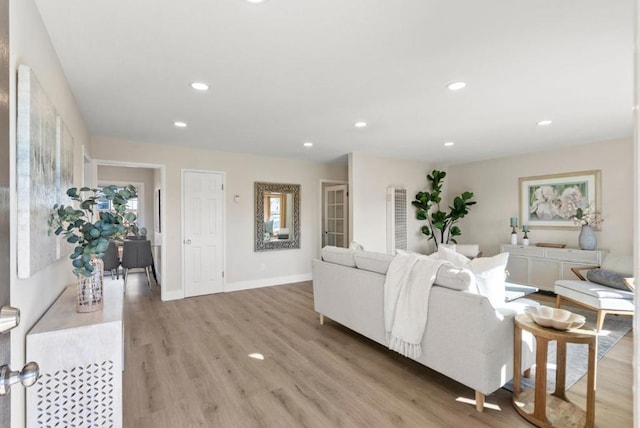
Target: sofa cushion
608, 278
489, 272
456, 278
490, 275
337, 255
450, 255
374, 262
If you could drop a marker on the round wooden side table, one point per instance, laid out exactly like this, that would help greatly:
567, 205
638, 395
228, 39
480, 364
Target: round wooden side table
535, 405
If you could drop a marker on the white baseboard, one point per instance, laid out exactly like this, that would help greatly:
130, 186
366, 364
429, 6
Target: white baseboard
167, 295
266, 282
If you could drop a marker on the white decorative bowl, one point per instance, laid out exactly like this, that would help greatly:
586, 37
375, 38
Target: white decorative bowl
559, 319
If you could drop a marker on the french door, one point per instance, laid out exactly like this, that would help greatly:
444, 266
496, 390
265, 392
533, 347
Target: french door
336, 216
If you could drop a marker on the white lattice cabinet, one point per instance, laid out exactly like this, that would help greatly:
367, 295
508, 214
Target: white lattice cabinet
542, 266
81, 359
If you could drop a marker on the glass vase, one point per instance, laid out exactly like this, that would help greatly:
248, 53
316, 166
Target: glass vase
89, 288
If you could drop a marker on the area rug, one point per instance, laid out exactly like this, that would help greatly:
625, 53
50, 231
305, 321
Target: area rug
614, 328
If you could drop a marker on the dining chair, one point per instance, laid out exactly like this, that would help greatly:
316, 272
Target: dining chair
111, 260
136, 254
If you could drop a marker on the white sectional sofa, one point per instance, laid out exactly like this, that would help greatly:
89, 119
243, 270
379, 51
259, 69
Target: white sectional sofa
466, 338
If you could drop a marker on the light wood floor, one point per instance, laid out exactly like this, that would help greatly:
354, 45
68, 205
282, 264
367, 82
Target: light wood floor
191, 363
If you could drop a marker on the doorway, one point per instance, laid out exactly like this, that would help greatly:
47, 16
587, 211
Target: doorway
148, 179
202, 232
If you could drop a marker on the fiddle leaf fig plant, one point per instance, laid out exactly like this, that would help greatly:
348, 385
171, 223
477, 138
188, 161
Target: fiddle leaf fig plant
440, 224
90, 229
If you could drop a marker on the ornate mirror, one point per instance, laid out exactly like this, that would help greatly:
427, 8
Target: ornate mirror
277, 218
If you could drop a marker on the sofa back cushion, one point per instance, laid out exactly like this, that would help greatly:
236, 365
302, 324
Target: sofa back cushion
374, 262
337, 255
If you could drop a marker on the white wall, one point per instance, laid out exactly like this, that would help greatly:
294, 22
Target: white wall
245, 268
369, 178
495, 184
30, 45
108, 174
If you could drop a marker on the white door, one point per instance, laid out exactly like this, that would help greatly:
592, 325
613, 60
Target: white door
336, 216
202, 243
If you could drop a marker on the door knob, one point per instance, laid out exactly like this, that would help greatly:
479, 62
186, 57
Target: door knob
188, 241
27, 377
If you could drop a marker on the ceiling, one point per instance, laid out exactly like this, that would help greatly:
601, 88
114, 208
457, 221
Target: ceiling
288, 71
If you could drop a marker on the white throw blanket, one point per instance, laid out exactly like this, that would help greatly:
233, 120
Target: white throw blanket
406, 301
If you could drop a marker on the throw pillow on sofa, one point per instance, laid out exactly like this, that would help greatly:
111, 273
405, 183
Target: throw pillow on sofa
446, 253
490, 272
490, 277
608, 278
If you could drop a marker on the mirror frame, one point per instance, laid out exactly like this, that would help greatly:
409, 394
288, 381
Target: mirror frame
294, 241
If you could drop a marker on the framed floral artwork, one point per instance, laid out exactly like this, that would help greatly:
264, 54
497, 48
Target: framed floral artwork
550, 201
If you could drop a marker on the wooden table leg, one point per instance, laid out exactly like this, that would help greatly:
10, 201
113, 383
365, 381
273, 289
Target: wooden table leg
517, 359
540, 397
561, 368
591, 384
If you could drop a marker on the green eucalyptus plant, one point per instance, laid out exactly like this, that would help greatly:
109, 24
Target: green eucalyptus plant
438, 221
89, 229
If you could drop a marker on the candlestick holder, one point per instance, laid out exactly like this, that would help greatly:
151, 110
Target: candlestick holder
514, 236
525, 238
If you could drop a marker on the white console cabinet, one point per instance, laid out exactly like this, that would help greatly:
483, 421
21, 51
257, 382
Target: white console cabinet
542, 266
81, 359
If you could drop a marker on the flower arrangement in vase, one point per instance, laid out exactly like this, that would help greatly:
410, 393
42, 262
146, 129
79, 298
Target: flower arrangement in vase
91, 230
589, 219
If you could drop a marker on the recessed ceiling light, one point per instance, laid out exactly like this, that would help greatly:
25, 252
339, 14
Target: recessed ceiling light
544, 123
360, 124
308, 144
179, 124
200, 86
449, 143
456, 86
255, 1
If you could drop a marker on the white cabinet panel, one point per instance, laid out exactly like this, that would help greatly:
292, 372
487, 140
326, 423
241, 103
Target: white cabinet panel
571, 255
543, 273
542, 266
518, 269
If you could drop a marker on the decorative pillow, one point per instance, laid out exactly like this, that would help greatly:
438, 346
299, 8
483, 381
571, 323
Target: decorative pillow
374, 262
456, 278
401, 251
490, 275
608, 278
356, 246
337, 255
449, 255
